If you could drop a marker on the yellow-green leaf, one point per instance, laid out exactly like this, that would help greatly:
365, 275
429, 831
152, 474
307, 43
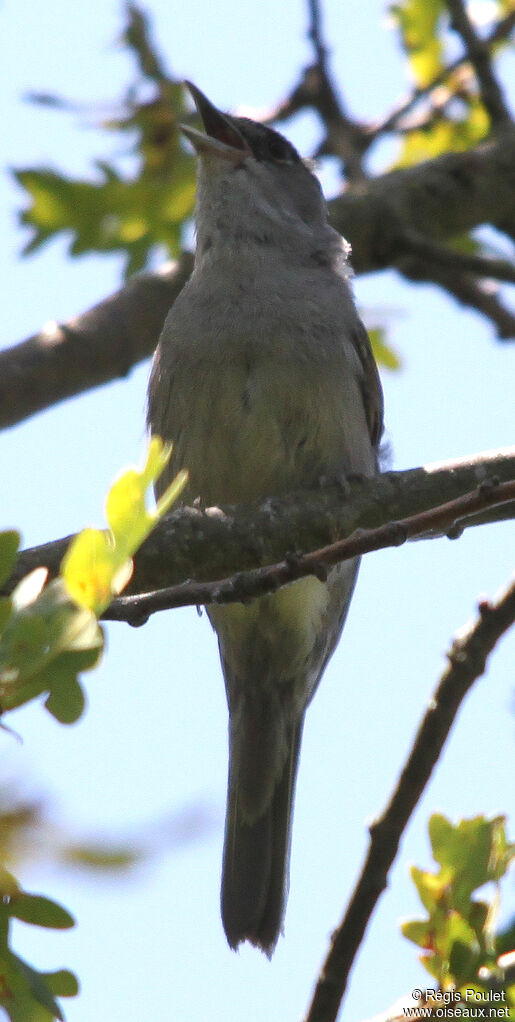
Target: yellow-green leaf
384, 354
40, 911
88, 569
9, 543
62, 983
128, 517
418, 22
445, 135
98, 565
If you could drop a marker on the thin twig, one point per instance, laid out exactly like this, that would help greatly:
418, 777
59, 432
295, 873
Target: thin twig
467, 662
467, 290
478, 54
437, 110
315, 33
345, 137
247, 585
502, 30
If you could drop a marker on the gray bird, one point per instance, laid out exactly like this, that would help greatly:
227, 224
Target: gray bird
265, 382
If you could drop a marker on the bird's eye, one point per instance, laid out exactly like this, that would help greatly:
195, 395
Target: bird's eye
278, 149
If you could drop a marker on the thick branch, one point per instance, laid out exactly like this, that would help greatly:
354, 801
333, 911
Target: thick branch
446, 518
480, 266
467, 662
217, 543
438, 199
102, 344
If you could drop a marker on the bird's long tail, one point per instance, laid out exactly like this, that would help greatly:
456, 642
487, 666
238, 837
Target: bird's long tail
264, 738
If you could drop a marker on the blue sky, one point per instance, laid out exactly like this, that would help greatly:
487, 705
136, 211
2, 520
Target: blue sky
152, 746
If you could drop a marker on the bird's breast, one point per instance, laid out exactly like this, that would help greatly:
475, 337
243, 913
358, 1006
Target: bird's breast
263, 391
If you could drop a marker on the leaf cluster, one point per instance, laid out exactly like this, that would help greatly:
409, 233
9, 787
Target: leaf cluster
448, 113
145, 211
47, 637
27, 995
119, 212
460, 949
45, 641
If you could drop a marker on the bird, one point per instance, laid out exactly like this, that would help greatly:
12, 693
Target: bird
265, 382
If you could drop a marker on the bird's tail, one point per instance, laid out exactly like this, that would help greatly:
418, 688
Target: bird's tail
264, 737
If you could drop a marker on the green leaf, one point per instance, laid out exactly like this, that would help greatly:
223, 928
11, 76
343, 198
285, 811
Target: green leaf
113, 214
418, 22
31, 998
99, 857
384, 354
9, 543
98, 565
24, 645
457, 936
466, 244
62, 983
9, 886
40, 911
26, 994
116, 212
45, 642
6, 607
66, 701
475, 851
505, 940
431, 888
445, 135
418, 932
458, 931
137, 37
126, 510
463, 962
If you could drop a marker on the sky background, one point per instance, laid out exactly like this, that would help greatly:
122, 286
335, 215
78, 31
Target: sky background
149, 757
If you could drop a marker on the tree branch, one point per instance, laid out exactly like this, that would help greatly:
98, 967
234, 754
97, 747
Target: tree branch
480, 266
345, 138
393, 121
438, 199
465, 288
447, 518
217, 543
102, 344
478, 53
467, 661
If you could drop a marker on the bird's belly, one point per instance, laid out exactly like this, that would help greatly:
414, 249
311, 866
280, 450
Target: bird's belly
261, 430
303, 601
273, 637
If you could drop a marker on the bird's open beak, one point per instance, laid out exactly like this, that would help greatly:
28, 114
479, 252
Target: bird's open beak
222, 137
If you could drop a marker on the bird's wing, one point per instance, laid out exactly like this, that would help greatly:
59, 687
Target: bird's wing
371, 385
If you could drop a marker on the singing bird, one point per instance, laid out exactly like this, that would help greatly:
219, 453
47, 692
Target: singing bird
264, 380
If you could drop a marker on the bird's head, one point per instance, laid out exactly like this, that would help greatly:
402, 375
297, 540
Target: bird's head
250, 168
